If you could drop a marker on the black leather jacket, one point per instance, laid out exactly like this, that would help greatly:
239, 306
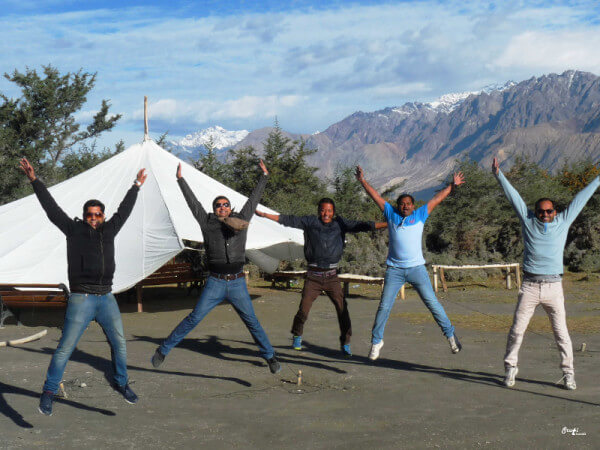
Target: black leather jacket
225, 248
90, 252
324, 243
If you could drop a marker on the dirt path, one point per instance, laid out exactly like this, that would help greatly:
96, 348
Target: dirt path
213, 391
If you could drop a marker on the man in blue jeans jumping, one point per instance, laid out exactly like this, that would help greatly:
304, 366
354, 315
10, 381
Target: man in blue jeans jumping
405, 262
225, 233
91, 266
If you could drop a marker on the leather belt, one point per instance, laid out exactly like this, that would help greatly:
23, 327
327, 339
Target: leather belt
323, 274
227, 276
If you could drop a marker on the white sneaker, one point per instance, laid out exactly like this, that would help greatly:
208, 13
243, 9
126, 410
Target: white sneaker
570, 381
509, 378
455, 345
375, 349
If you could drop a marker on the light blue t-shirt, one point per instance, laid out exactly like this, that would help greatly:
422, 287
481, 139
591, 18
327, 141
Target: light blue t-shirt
406, 234
545, 242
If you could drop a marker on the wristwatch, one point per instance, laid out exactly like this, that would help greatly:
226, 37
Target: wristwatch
137, 183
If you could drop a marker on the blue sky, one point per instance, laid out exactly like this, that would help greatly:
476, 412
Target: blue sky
239, 64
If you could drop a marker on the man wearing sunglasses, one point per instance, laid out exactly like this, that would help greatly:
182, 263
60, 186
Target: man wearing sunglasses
91, 265
544, 236
225, 232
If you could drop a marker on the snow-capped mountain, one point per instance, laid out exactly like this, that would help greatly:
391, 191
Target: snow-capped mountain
449, 102
194, 144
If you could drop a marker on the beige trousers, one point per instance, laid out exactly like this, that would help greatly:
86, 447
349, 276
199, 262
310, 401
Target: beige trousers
550, 296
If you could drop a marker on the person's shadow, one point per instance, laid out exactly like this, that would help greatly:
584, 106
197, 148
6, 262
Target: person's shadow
19, 420
105, 366
216, 347
486, 378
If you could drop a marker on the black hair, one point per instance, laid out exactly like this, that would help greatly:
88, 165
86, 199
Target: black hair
544, 199
326, 200
91, 203
220, 197
412, 199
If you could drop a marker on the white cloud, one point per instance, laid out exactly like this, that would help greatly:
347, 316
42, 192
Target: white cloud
308, 67
172, 110
552, 51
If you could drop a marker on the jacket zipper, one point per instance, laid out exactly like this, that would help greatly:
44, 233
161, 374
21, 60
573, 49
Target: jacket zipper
101, 256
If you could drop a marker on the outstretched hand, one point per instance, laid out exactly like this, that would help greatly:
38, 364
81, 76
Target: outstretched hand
141, 176
178, 174
495, 166
458, 179
359, 174
27, 168
262, 166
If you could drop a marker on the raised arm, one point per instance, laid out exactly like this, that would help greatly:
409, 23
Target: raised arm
457, 180
273, 217
580, 200
378, 199
195, 206
511, 193
124, 210
252, 202
54, 212
356, 226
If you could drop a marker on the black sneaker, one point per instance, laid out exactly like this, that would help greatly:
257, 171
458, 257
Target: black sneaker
158, 358
46, 400
127, 393
274, 365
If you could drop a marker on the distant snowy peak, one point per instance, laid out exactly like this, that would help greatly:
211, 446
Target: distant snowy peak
449, 102
221, 137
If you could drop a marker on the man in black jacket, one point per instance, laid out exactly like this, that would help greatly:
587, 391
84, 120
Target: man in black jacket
225, 233
91, 265
324, 238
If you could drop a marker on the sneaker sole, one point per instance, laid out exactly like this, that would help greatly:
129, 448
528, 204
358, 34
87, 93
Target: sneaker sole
156, 364
131, 403
42, 412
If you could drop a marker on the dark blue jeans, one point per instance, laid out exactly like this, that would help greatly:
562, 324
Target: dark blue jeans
81, 310
215, 291
395, 277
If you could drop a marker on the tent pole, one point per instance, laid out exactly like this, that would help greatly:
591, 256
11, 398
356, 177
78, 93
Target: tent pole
146, 118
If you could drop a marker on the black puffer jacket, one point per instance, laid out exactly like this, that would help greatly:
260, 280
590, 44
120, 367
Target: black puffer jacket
90, 252
324, 242
224, 247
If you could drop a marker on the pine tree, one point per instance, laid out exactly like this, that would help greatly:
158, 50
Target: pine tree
40, 124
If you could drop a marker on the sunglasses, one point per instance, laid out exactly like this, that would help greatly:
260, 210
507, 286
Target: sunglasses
97, 215
222, 205
542, 211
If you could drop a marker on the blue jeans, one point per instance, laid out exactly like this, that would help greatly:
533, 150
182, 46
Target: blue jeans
81, 310
215, 291
395, 277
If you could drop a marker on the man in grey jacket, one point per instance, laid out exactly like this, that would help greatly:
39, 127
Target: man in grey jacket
225, 233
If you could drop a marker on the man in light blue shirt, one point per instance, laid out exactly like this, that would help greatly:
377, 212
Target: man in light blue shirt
544, 237
405, 262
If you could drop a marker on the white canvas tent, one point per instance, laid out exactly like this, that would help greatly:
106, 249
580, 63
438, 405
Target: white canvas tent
33, 250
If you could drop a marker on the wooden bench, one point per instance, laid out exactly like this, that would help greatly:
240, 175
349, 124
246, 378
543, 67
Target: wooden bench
17, 296
170, 273
288, 275
285, 277
507, 267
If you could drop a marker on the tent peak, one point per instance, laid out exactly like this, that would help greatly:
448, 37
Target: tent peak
146, 137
